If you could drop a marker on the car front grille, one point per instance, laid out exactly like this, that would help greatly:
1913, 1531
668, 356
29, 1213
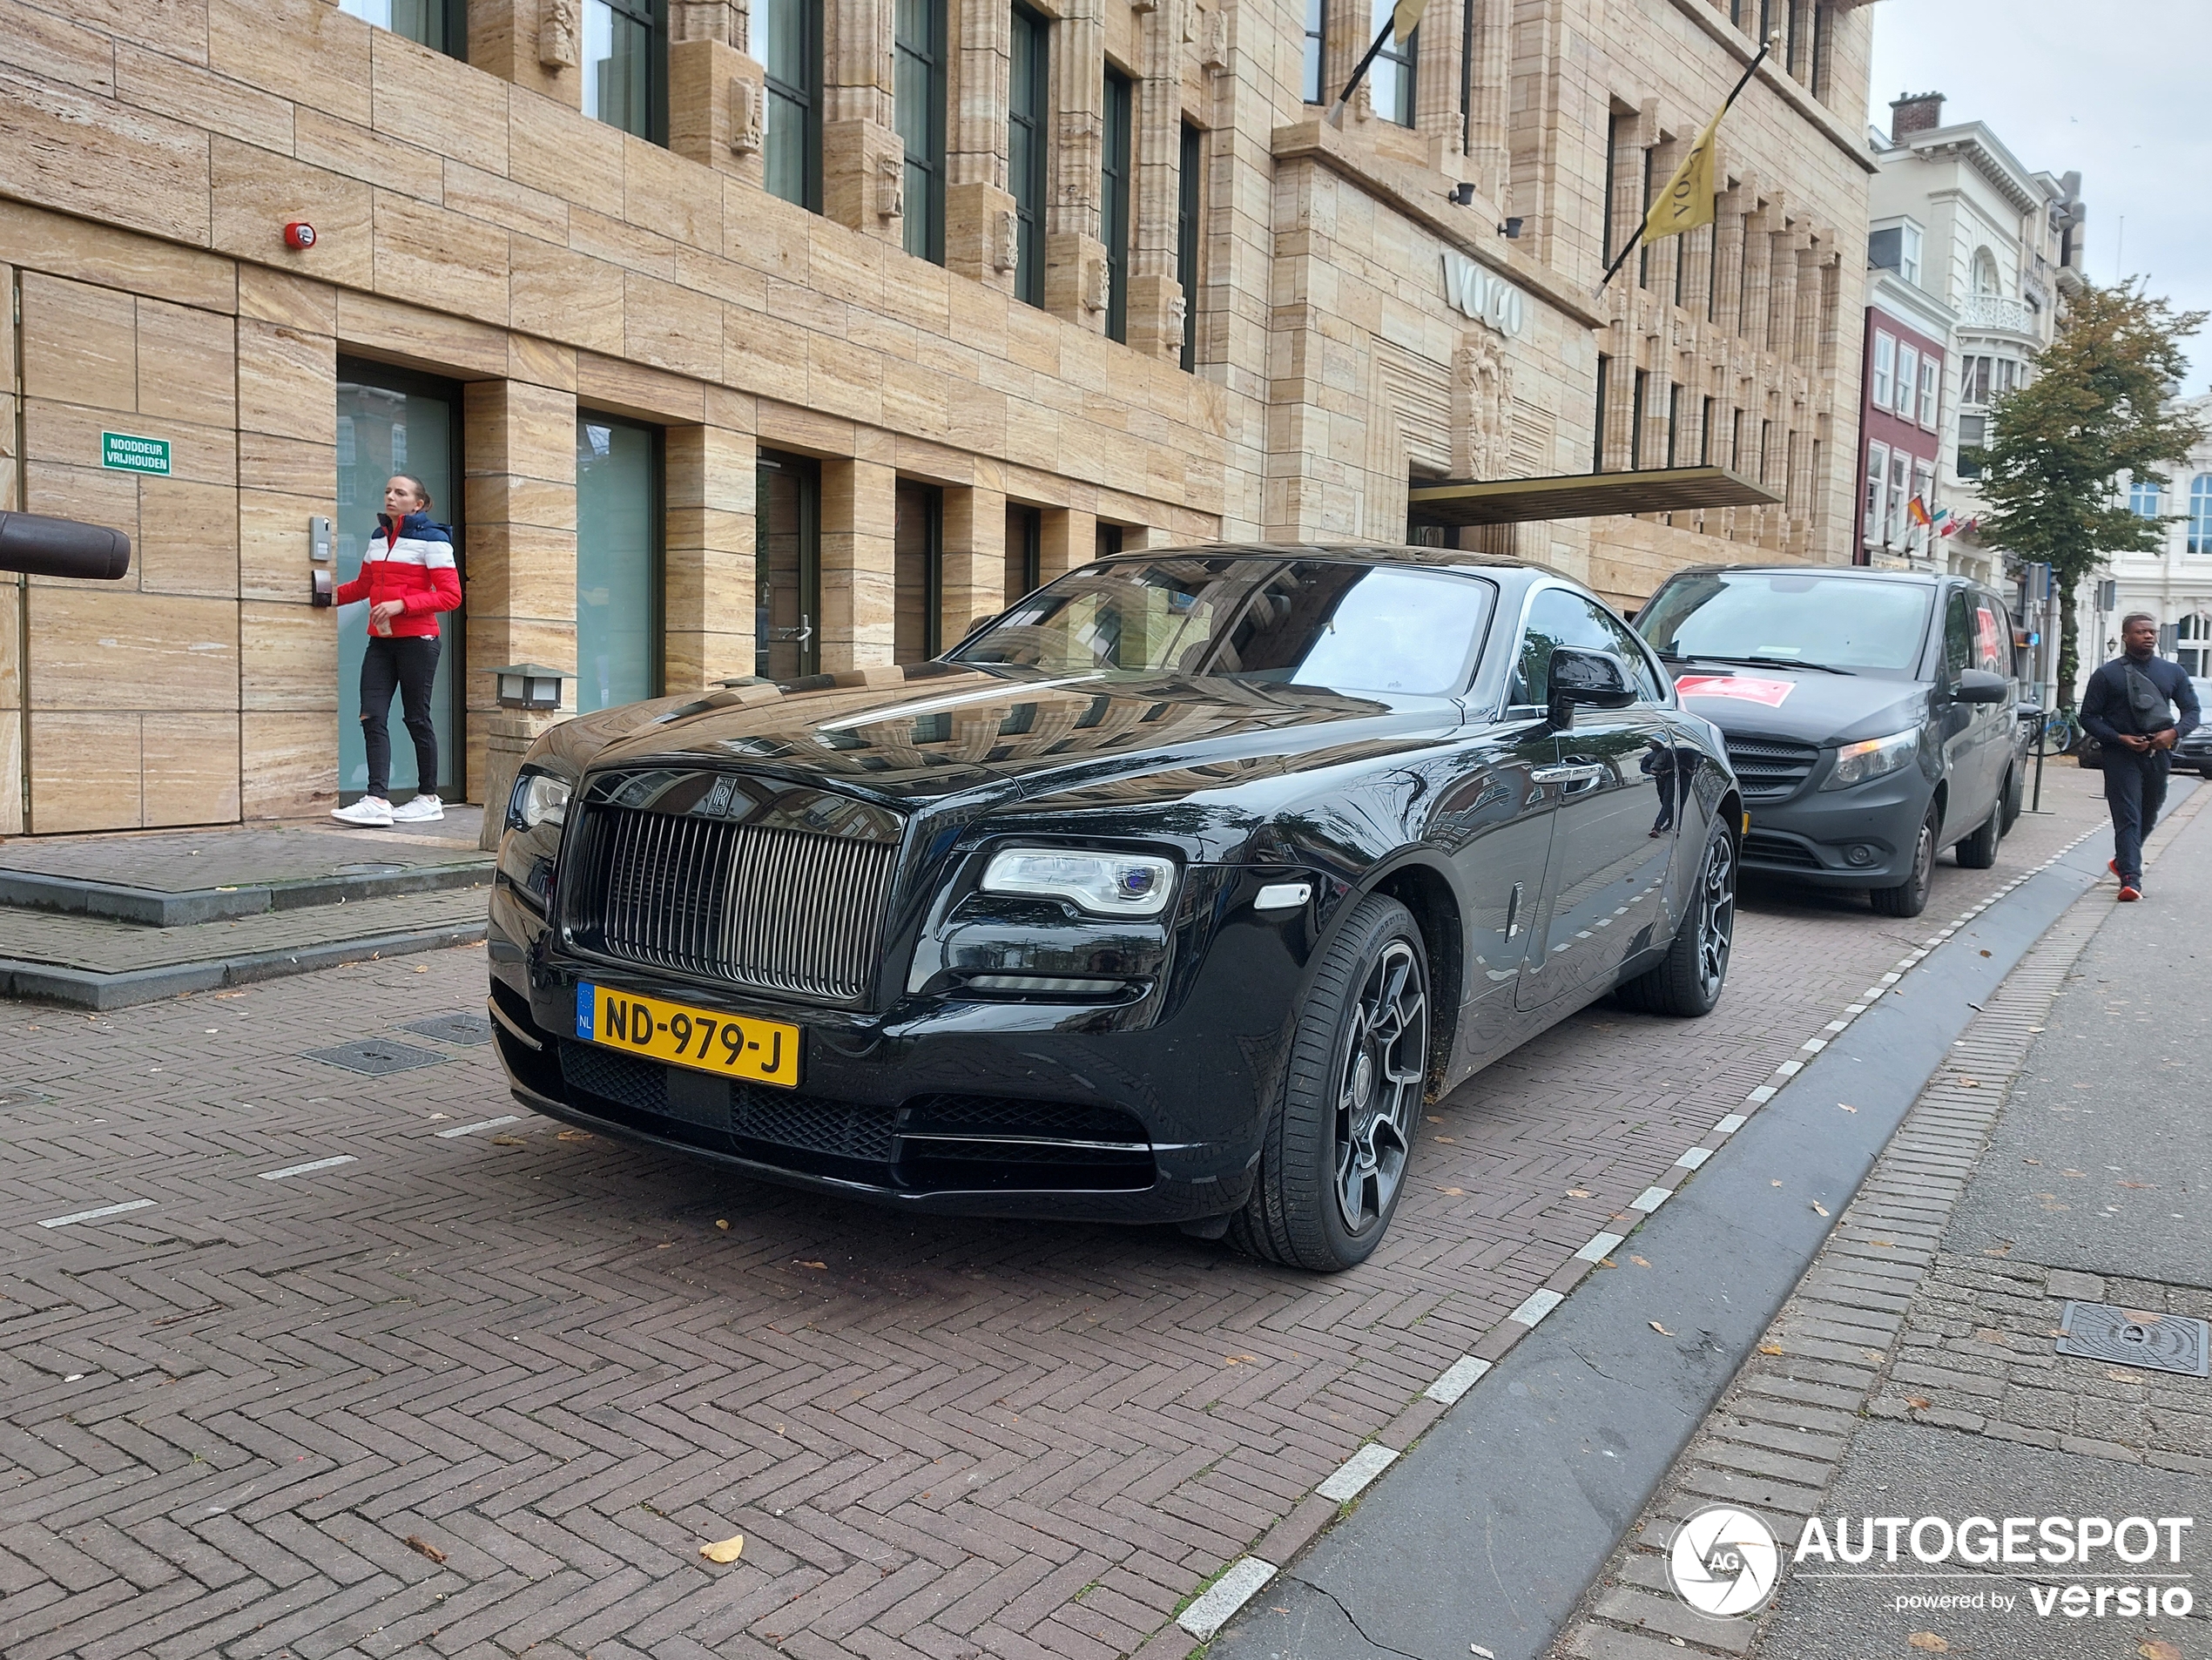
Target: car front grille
721, 1108
1760, 848
774, 906
1770, 769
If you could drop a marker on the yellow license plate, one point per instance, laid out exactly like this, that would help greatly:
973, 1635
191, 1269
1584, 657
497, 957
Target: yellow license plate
764, 1051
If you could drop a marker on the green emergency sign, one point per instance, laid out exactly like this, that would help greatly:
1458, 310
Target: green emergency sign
130, 455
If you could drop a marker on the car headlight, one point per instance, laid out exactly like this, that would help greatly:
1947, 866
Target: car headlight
539, 798
1105, 884
1856, 763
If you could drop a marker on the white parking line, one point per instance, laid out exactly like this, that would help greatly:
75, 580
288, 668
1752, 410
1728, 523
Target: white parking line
482, 1124
86, 1216
301, 1170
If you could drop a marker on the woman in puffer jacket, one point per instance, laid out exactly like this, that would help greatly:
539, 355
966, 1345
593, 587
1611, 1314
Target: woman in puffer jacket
407, 576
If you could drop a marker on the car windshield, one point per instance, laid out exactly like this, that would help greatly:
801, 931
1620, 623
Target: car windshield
1837, 622
1304, 621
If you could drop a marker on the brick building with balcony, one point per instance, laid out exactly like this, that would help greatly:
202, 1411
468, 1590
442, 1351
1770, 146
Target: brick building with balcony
792, 336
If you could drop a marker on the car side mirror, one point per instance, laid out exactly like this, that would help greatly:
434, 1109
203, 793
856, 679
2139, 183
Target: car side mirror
1581, 679
1981, 686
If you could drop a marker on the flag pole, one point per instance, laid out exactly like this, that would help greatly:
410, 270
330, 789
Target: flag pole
1336, 110
1637, 236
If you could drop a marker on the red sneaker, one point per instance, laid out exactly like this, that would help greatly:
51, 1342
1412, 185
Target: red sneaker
2113, 865
2129, 893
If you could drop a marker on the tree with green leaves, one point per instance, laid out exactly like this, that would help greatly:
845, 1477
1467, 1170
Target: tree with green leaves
2100, 405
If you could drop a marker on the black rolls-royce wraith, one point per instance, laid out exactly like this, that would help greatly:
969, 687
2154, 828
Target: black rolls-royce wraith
1168, 895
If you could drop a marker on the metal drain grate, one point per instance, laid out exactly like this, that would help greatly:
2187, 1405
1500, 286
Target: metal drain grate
2158, 1342
377, 1055
461, 1026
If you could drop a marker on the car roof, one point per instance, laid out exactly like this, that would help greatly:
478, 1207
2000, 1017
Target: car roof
1855, 573
1375, 553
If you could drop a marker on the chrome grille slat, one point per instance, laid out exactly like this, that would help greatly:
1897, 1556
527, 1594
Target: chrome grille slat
1770, 768
769, 907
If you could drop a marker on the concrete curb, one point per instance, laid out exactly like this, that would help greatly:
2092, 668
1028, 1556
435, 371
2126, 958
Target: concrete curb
87, 988
157, 907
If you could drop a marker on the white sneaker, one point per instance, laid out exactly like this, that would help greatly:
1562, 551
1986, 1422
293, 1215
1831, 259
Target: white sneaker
372, 811
422, 808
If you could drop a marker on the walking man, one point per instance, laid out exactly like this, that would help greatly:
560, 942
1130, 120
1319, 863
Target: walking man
2129, 708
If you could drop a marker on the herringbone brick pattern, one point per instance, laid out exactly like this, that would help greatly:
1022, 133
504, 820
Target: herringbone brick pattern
487, 1393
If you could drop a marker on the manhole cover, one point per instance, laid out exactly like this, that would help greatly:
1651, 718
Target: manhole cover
458, 1027
2161, 1342
376, 1057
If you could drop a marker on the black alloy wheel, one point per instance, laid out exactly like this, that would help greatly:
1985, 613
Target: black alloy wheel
1689, 978
1910, 897
1333, 1160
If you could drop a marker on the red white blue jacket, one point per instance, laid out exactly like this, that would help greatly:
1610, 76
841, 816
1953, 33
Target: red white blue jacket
411, 562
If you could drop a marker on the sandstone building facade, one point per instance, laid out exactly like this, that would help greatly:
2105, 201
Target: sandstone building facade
783, 336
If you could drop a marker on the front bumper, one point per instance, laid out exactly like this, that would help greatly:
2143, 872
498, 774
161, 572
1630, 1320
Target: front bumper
1809, 838
945, 1105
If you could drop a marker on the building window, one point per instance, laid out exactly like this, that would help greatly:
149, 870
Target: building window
790, 49
918, 49
1597, 445
442, 25
1900, 489
1188, 181
1884, 368
1930, 391
1908, 378
1024, 550
1909, 253
2200, 514
1824, 18
1705, 434
1878, 490
1027, 142
1923, 488
1617, 129
1317, 48
1113, 203
1674, 419
2143, 498
918, 558
1985, 273
618, 515
1637, 391
624, 60
1973, 432
1390, 78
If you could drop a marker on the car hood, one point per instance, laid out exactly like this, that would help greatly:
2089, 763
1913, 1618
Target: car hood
1809, 706
913, 736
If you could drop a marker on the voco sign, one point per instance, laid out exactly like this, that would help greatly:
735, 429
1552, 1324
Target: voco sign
1483, 295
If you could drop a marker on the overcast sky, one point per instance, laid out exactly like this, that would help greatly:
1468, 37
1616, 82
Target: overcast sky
2114, 89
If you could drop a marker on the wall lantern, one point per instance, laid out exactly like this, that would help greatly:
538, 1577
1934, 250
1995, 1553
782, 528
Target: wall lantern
528, 685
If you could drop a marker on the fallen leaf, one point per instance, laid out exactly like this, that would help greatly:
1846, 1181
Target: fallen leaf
2119, 1376
1774, 1183
573, 1135
804, 1263
1989, 1334
2078, 1175
1662, 1330
1886, 1244
725, 1550
2025, 1159
723, 1223
1578, 1193
1847, 1109
1929, 1641
1639, 1262
2135, 1184
1919, 1403
1447, 1141
1453, 1192
1435, 1121
1818, 1207
1985, 954
1968, 1083
421, 971
2004, 1250
1770, 1348
2152, 1649
508, 1140
1240, 1359
424, 1547
1606, 1262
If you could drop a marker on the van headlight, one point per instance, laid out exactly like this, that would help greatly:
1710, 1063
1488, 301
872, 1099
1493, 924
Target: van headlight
1856, 763
539, 798
1104, 884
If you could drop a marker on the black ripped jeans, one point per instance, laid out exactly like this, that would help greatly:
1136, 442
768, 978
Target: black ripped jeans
410, 664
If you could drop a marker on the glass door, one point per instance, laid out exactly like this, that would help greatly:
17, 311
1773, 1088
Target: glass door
618, 563
786, 567
390, 421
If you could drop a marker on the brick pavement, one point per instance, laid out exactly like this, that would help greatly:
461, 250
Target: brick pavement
541, 1356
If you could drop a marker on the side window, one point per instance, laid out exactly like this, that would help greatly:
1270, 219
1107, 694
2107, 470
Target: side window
1560, 617
1993, 636
1958, 637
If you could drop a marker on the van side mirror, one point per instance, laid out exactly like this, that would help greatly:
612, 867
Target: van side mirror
1981, 686
1586, 679
42, 547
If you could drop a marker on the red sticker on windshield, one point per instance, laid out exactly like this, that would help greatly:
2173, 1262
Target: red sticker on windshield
1770, 692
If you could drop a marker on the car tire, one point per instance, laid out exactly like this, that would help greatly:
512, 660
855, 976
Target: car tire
1688, 981
1334, 1155
2205, 772
1910, 897
2015, 794
1979, 850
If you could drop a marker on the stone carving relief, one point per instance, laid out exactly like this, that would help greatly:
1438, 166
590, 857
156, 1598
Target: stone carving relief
1095, 278
1213, 40
557, 30
747, 115
890, 185
1481, 409
1006, 239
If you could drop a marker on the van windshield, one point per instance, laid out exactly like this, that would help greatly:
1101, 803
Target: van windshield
1781, 616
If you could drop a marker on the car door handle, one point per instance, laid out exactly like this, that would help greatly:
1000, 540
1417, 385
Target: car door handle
1574, 777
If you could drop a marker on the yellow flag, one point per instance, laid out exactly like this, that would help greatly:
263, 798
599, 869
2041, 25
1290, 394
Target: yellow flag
1687, 202
1404, 19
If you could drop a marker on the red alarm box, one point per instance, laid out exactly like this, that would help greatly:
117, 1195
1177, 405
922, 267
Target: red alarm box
299, 234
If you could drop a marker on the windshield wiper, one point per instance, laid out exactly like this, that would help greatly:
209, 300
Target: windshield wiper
1760, 662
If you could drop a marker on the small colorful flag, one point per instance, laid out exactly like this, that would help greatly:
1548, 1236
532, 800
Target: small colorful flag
1917, 510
